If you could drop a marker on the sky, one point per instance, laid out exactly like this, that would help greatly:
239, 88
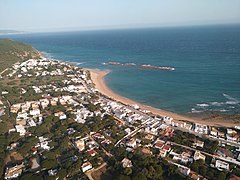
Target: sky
60, 15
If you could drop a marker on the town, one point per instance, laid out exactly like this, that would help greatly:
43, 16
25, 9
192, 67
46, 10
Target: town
56, 124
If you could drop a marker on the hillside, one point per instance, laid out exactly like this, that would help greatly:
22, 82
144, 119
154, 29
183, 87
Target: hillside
13, 51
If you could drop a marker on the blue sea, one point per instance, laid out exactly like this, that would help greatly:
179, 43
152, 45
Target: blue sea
206, 58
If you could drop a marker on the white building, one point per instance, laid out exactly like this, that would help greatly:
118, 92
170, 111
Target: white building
221, 165
20, 129
198, 156
86, 166
126, 163
35, 112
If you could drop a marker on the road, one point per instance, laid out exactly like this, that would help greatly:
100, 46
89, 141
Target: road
132, 133
208, 154
89, 173
105, 151
207, 136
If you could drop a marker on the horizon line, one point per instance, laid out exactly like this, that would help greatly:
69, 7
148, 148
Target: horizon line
114, 28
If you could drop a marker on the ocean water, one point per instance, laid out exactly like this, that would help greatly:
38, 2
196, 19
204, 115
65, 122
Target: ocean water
206, 58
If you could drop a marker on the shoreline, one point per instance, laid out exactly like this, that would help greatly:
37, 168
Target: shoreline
98, 78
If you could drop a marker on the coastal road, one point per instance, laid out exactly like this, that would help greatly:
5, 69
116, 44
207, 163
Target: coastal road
235, 144
229, 160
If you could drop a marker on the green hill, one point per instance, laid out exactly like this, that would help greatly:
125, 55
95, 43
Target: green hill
13, 51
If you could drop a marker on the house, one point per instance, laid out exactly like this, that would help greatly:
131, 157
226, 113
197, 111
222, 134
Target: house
188, 126
146, 150
221, 135
15, 108
4, 92
167, 120
198, 156
80, 144
14, 171
221, 165
126, 163
22, 115
21, 122
159, 144
92, 152
132, 143
35, 112
231, 132
53, 102
184, 170
167, 132
34, 163
52, 172
180, 124
167, 148
193, 175
61, 115
35, 106
13, 145
31, 123
128, 130
20, 129
98, 136
149, 136
201, 128
86, 166
106, 141
44, 145
163, 153
214, 132
44, 103
185, 157
199, 144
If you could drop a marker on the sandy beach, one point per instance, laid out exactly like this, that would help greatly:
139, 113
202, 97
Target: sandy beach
98, 79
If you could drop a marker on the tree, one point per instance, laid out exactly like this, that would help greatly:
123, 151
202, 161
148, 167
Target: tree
123, 177
49, 163
221, 176
159, 170
151, 172
127, 171
203, 170
139, 176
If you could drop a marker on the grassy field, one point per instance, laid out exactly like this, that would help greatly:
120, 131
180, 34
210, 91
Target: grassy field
13, 51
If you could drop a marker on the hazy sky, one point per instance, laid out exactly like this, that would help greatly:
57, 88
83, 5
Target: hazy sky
48, 15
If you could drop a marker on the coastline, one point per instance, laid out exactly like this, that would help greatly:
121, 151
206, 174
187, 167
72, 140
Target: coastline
98, 76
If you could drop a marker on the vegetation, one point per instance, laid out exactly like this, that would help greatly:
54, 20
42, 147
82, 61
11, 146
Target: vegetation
12, 52
144, 167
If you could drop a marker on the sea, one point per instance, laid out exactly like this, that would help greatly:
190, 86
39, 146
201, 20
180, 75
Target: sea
206, 59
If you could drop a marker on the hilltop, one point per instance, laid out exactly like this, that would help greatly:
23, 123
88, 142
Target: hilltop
13, 51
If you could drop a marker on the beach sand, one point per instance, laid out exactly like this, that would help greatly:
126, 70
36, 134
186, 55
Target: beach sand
97, 77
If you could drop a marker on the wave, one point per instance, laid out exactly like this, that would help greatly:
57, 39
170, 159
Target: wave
203, 105
217, 103
223, 110
75, 62
232, 100
195, 111
47, 54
